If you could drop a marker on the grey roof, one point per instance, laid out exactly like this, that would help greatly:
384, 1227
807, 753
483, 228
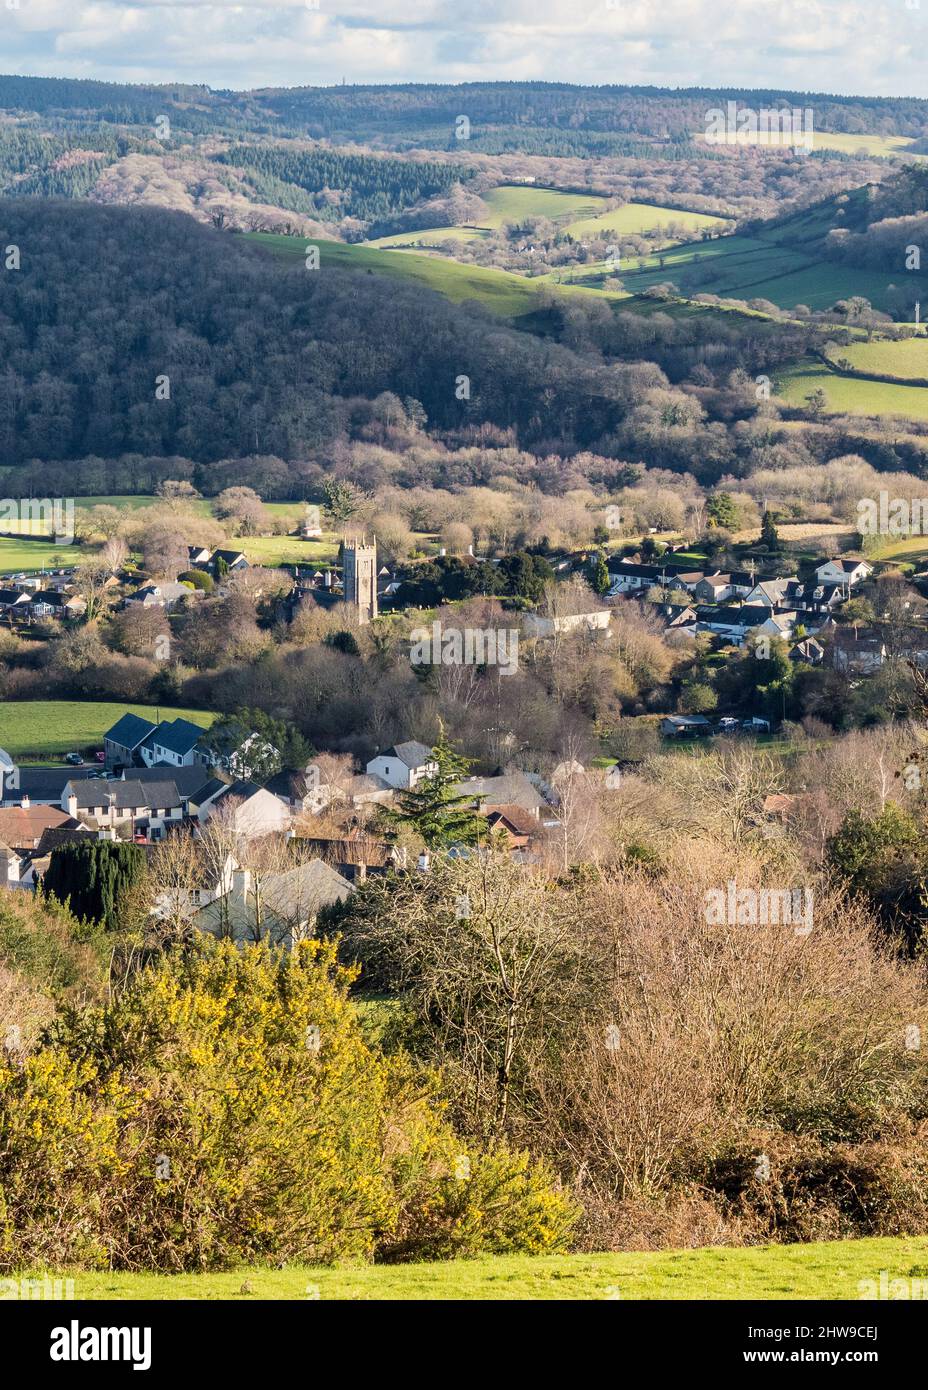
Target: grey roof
509, 789
127, 795
289, 783
242, 789
752, 615
130, 731
178, 736
43, 783
412, 754
195, 782
847, 565
288, 899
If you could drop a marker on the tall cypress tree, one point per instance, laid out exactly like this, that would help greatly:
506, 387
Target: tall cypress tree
92, 876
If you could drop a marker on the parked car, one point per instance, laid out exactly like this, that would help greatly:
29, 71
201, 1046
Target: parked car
728, 722
74, 759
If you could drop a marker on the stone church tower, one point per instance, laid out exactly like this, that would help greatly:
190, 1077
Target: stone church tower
359, 577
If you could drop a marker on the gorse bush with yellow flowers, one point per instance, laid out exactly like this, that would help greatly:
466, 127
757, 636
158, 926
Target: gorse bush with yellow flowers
226, 1108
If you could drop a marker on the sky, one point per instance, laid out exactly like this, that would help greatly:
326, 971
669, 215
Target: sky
865, 47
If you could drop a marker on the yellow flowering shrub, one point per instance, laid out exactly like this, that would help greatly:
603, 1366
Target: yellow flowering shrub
225, 1108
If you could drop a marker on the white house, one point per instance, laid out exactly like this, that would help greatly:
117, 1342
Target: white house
404, 765
257, 810
174, 742
538, 626
843, 572
769, 592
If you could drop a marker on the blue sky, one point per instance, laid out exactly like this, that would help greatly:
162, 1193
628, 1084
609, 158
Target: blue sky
874, 48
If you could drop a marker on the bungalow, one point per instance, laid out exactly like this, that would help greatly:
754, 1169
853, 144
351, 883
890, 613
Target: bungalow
167, 594
49, 603
685, 726
15, 600
848, 572
198, 556
732, 623
506, 790
227, 561
280, 908
403, 765
631, 578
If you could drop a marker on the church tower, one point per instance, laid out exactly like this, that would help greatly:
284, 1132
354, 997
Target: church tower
359, 577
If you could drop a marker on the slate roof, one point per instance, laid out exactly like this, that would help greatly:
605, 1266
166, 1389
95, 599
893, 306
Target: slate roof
178, 736
128, 795
294, 896
411, 754
59, 835
130, 731
289, 784
195, 782
43, 783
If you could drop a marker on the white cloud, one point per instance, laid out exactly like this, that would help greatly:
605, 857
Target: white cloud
832, 45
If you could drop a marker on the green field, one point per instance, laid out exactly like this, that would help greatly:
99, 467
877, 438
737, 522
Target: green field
635, 218
513, 202
50, 728
827, 1271
850, 395
905, 359
21, 554
16, 555
743, 267
429, 236
507, 295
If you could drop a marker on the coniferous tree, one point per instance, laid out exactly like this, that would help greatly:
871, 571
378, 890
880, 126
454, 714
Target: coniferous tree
94, 878
432, 809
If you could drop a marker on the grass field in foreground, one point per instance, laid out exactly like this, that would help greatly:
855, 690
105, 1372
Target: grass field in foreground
851, 395
49, 728
831, 1270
